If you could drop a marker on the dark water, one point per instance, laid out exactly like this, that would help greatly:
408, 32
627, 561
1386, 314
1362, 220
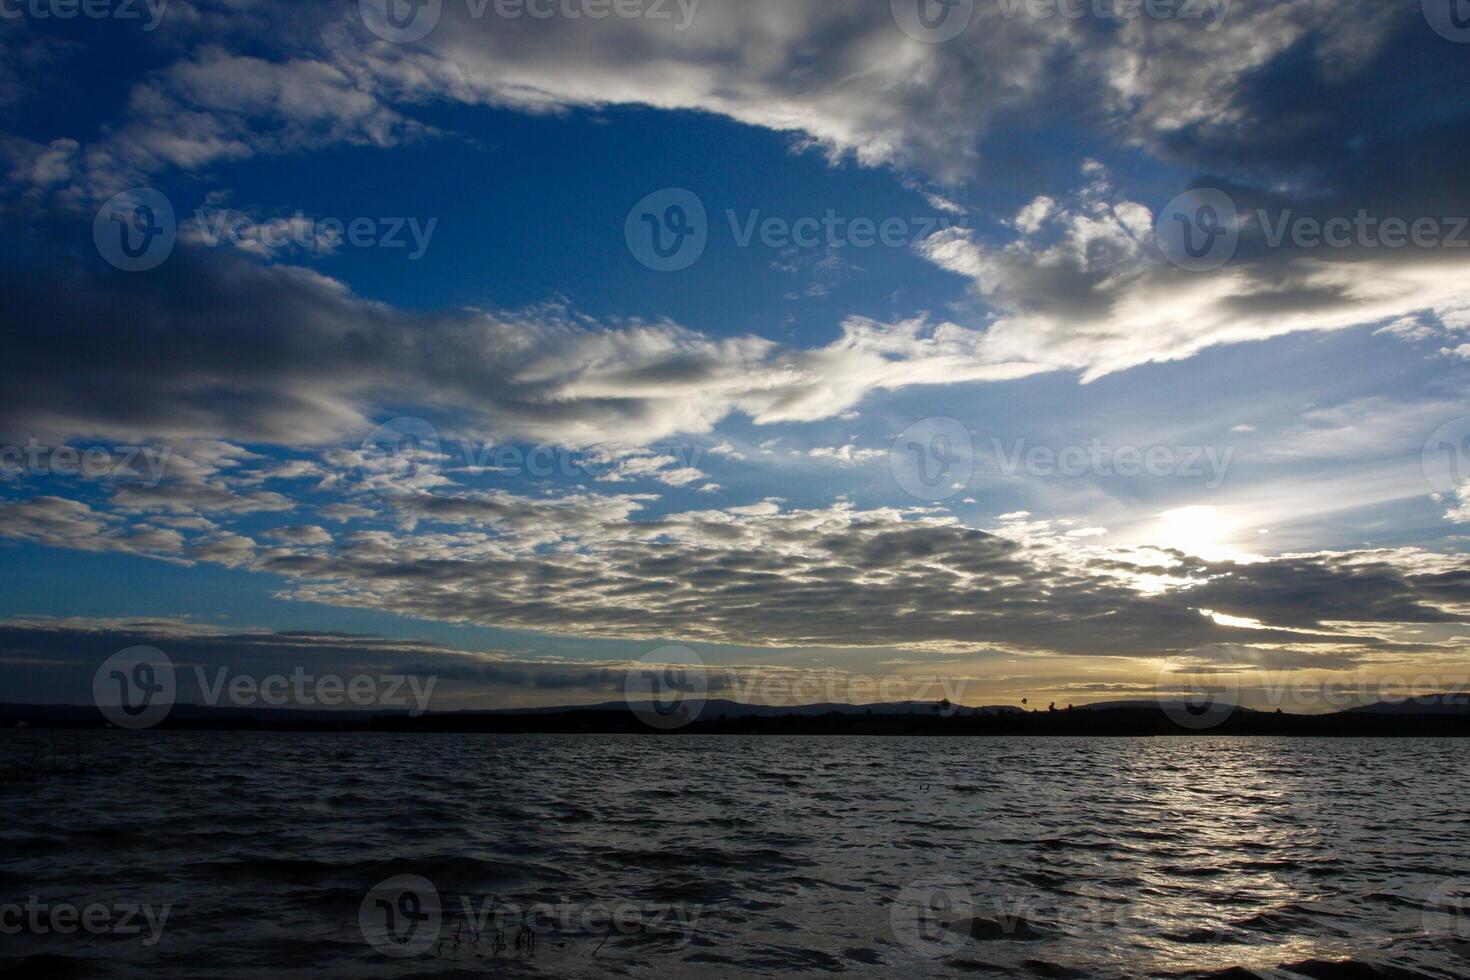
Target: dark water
724, 856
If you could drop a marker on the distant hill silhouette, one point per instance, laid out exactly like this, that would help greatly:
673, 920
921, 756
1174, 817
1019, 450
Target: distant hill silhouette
735, 709
1447, 714
1432, 704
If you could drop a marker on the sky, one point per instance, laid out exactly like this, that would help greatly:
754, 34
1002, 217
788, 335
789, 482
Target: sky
991, 350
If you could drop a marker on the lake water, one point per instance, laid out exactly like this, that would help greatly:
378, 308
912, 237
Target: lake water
183, 854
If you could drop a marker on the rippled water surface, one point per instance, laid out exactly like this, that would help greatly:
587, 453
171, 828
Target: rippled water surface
723, 856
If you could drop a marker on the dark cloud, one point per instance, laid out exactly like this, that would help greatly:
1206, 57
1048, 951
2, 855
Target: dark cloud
215, 346
842, 579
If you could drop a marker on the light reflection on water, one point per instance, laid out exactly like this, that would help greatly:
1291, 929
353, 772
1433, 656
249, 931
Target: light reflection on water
1056, 857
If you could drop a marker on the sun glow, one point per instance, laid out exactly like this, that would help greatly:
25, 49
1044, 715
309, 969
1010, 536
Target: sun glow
1202, 531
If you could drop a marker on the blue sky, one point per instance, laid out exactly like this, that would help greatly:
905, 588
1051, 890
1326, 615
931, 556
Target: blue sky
1145, 464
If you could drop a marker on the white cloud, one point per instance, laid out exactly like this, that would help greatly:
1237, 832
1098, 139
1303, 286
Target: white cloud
1087, 290
846, 455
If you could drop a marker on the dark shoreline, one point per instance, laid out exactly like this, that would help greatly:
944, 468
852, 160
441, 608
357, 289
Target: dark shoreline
1103, 722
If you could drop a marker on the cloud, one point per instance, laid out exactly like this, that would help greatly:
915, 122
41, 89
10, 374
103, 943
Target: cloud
215, 107
52, 660
307, 534
1078, 288
841, 78
1285, 106
605, 566
848, 455
47, 660
840, 577
1460, 514
1084, 287
622, 465
286, 356
848, 80
58, 523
